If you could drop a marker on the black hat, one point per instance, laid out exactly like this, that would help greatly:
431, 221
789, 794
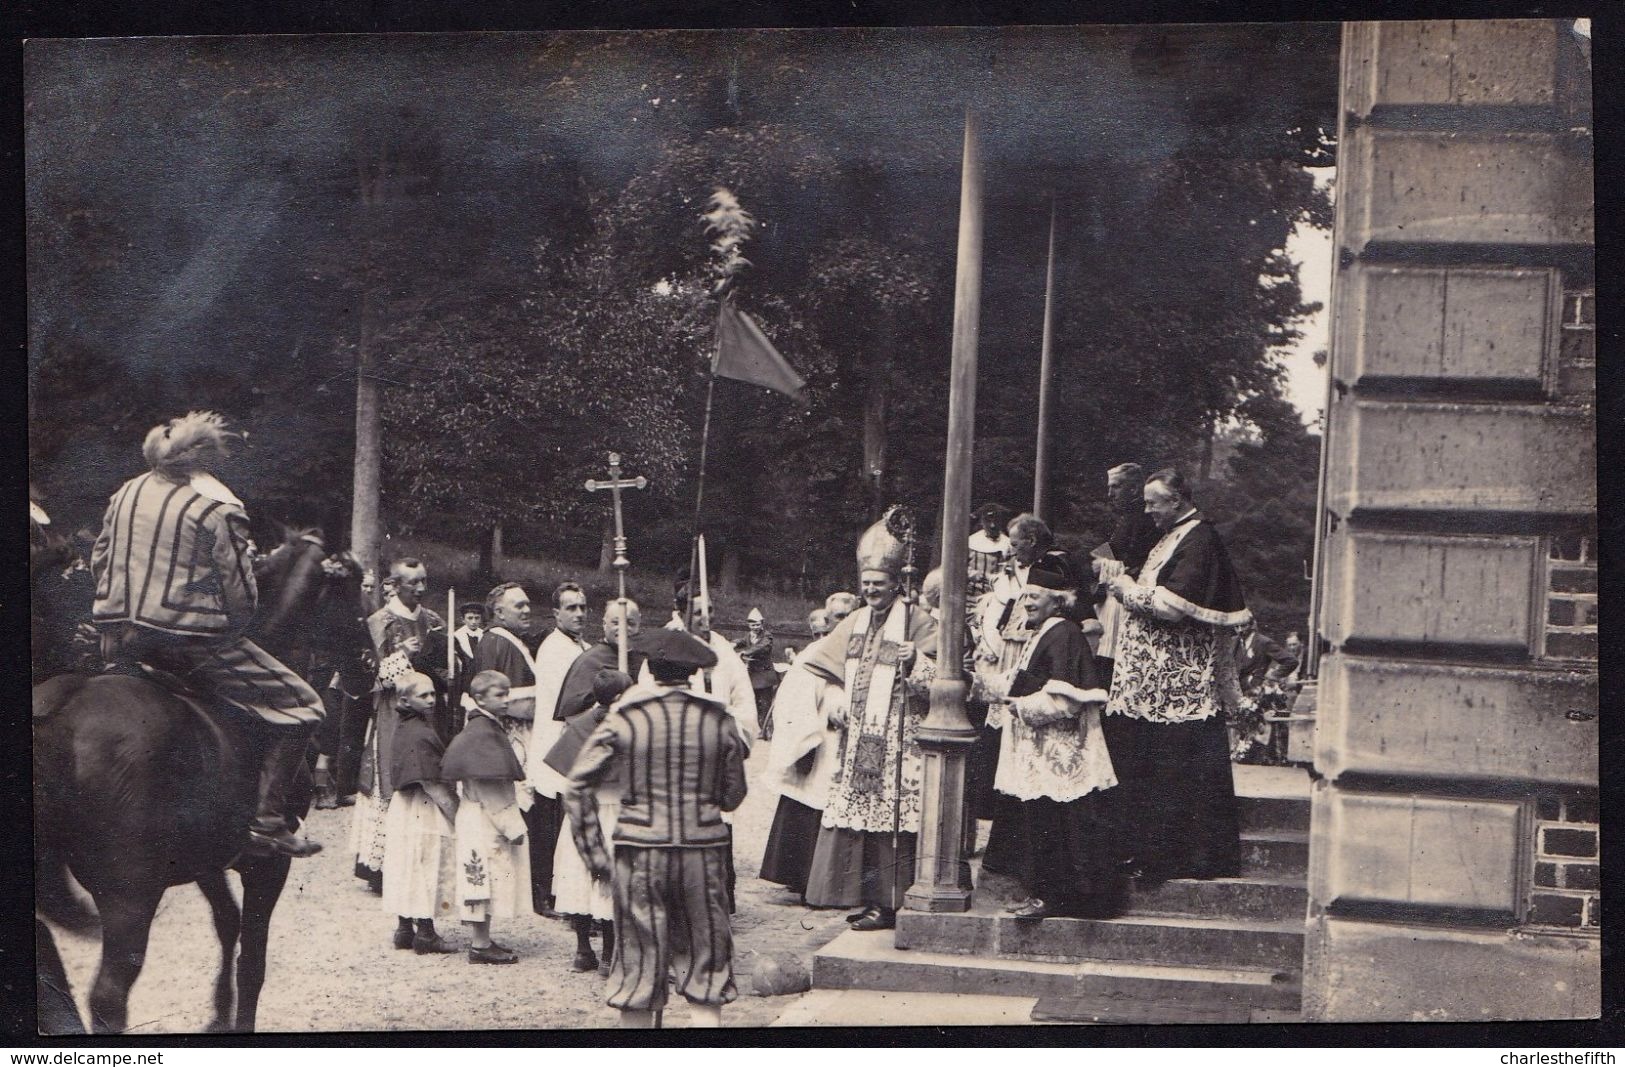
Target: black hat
992, 510
472, 605
1047, 579
673, 652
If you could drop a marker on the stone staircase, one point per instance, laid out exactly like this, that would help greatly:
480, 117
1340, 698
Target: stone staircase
1223, 951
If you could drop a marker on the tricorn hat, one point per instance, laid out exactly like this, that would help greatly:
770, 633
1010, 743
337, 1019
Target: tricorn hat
673, 650
879, 550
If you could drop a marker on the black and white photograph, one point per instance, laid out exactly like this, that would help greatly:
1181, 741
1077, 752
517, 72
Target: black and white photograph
916, 526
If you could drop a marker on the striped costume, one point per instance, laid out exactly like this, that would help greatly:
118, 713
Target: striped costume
175, 582
684, 766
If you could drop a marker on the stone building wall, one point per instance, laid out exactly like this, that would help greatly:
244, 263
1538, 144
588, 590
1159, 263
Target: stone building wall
1453, 860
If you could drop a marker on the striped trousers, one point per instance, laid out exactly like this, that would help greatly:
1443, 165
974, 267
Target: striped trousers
239, 672
671, 901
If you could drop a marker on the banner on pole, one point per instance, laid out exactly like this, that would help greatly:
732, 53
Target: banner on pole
745, 354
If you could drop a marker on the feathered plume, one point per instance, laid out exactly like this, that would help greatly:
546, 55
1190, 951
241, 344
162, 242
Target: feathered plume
731, 225
188, 443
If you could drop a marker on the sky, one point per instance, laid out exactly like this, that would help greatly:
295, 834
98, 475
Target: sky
1311, 248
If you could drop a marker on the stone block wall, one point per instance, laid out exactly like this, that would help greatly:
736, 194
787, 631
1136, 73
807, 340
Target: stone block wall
1453, 857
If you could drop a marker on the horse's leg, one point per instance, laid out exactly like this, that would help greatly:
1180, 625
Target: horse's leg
227, 925
126, 923
263, 879
57, 1013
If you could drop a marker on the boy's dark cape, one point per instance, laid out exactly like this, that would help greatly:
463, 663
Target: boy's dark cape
416, 753
577, 729
481, 750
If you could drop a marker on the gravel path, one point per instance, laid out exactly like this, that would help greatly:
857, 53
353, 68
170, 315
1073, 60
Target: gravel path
331, 966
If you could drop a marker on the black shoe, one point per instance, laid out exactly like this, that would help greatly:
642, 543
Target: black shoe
346, 801
281, 842
864, 914
491, 954
877, 919
432, 945
402, 938
584, 961
1034, 910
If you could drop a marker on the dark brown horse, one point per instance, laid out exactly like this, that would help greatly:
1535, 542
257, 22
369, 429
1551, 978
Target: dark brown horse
136, 789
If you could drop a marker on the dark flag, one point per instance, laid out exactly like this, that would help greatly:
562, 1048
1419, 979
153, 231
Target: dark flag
745, 354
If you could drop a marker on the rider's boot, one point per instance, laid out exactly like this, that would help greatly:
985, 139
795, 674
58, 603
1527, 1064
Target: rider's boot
284, 756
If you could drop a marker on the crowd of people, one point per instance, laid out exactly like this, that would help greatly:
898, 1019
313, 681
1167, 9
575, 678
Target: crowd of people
504, 767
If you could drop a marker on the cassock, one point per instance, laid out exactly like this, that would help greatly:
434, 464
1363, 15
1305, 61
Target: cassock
854, 862
420, 854
1052, 822
800, 763
493, 863
1174, 676
557, 652
389, 627
503, 650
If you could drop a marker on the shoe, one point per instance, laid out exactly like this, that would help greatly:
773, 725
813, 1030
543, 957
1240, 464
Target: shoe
326, 800
491, 954
860, 915
877, 919
584, 961
402, 939
281, 843
504, 948
603, 967
347, 801
1020, 905
1033, 910
431, 945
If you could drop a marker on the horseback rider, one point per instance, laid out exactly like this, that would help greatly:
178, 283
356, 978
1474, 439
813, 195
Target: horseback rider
175, 589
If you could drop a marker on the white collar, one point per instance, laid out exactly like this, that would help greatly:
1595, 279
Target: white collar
206, 484
981, 542
395, 607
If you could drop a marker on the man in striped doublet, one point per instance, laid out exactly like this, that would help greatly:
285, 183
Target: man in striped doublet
683, 764
175, 588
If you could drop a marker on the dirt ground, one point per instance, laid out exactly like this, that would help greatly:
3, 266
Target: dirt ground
331, 966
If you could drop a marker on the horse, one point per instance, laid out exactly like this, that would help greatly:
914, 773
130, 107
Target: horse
138, 789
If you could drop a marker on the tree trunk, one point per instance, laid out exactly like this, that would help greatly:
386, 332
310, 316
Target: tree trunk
606, 545
496, 547
487, 565
874, 438
728, 578
364, 532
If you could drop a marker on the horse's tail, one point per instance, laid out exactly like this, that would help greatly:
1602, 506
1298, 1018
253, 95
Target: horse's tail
55, 1010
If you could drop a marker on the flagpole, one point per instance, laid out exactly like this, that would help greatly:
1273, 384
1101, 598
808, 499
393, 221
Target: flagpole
1041, 464
699, 494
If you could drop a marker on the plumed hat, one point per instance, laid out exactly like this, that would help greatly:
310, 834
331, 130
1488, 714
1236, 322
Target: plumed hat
187, 444
673, 652
879, 550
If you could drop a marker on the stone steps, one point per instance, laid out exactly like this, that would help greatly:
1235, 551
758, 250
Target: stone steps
870, 961
1275, 852
1225, 950
1273, 813
1270, 898
1146, 938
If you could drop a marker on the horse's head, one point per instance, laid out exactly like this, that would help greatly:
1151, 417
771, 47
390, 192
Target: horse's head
290, 579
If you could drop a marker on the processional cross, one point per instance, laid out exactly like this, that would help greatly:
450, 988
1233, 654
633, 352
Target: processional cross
615, 483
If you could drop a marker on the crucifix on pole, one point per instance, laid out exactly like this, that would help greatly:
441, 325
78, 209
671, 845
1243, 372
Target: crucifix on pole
615, 483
